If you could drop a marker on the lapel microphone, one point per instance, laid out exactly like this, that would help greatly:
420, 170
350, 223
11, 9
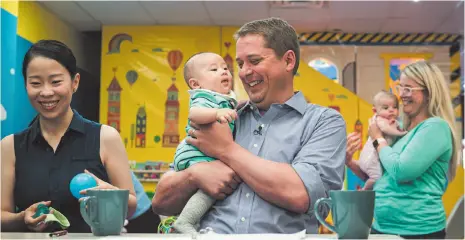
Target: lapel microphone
258, 131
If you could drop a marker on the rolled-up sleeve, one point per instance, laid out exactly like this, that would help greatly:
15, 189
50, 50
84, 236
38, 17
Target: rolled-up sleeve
320, 162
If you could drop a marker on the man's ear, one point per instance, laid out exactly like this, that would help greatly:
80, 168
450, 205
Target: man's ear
290, 59
373, 109
193, 83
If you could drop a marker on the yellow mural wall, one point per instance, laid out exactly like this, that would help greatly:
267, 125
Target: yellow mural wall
144, 63
140, 64
143, 93
10, 6
36, 23
31, 15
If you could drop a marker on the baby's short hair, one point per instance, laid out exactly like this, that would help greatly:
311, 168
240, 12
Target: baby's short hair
188, 72
384, 93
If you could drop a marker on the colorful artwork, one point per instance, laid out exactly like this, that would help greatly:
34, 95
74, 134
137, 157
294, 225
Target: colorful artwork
395, 68
171, 134
115, 43
141, 127
174, 60
114, 102
359, 128
331, 97
133, 134
131, 77
325, 67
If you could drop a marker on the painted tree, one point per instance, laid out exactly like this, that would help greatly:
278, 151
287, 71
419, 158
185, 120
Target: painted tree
133, 134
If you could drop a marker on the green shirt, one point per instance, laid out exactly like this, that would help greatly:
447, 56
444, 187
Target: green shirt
409, 194
186, 154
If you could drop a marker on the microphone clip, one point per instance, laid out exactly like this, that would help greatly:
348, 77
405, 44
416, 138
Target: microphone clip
258, 131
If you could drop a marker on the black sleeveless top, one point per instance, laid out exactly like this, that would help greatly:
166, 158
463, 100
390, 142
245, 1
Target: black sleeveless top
44, 175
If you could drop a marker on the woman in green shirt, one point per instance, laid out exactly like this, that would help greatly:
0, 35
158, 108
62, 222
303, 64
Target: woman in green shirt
417, 167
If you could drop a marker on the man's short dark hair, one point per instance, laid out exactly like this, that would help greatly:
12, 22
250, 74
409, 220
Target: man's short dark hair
278, 34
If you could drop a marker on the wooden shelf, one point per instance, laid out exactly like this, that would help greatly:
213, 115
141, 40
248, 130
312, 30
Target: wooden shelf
148, 171
149, 180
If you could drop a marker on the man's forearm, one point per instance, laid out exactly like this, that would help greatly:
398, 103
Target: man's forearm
13, 222
172, 193
275, 182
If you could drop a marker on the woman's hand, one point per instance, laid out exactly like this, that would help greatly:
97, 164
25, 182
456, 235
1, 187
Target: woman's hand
35, 224
100, 184
373, 130
353, 144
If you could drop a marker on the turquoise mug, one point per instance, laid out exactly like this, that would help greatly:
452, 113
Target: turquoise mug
105, 210
351, 211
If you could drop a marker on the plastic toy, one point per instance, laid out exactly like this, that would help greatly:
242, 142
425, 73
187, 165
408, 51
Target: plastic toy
80, 182
41, 210
53, 216
166, 225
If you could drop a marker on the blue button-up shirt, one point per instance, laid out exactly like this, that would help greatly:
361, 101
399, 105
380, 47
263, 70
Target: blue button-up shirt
308, 137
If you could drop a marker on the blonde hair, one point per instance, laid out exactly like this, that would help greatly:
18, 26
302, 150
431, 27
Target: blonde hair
431, 78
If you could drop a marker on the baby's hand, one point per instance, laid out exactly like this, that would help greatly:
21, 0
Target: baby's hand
225, 115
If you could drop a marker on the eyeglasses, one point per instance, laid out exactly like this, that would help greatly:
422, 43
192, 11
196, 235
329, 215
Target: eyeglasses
407, 91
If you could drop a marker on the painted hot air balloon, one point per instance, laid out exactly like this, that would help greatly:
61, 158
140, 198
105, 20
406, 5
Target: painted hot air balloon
131, 77
174, 60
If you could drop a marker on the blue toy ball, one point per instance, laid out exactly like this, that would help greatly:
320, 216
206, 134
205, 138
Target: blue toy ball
80, 182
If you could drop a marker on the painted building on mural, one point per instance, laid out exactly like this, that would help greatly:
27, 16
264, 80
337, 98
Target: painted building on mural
141, 127
171, 134
114, 103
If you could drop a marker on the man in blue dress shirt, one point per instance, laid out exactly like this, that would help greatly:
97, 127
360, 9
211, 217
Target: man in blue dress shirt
287, 153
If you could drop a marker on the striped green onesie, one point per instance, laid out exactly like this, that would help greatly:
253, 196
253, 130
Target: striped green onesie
186, 154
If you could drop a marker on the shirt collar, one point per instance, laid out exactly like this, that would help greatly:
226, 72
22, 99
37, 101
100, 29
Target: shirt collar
296, 102
77, 125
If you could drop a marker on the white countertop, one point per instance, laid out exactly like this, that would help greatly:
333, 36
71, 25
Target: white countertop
297, 236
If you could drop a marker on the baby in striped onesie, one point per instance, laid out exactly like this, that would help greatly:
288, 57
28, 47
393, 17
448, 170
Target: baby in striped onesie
211, 99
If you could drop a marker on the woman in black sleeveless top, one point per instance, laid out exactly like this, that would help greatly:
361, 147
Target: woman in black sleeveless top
39, 162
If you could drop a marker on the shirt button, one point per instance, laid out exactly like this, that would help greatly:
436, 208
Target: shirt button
255, 145
243, 219
247, 195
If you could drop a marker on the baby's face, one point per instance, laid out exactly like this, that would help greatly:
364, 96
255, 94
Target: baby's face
387, 108
212, 73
